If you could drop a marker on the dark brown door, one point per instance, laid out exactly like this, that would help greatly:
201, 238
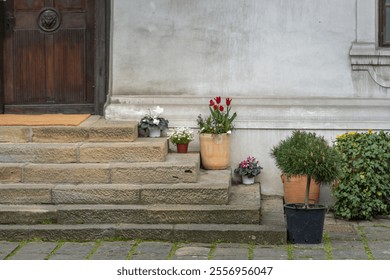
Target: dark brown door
49, 55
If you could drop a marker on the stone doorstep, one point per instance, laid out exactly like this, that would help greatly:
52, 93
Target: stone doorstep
178, 168
204, 233
140, 150
212, 188
246, 212
94, 129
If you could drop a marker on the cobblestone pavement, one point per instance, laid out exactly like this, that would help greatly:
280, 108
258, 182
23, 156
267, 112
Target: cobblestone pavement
342, 240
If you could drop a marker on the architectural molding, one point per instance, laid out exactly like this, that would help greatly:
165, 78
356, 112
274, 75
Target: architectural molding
264, 113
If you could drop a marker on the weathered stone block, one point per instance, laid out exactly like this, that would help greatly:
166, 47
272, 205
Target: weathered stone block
25, 194
27, 214
95, 194
38, 153
11, 173
67, 173
150, 150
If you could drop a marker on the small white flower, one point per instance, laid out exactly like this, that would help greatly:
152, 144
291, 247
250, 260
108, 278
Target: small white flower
156, 121
229, 132
158, 110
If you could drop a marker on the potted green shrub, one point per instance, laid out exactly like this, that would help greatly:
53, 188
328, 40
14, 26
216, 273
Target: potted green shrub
181, 137
214, 134
307, 154
152, 124
248, 169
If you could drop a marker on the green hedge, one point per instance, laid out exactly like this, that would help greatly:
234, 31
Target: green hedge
363, 189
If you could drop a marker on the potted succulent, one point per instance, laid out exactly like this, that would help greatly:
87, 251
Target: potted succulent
152, 124
248, 169
214, 134
181, 137
306, 154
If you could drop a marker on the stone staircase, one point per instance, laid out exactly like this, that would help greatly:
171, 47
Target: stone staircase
100, 181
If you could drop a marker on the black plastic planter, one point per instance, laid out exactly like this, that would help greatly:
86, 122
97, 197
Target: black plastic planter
305, 225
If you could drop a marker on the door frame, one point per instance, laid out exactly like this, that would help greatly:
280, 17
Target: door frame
101, 60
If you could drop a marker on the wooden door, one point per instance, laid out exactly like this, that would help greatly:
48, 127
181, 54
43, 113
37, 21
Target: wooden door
49, 56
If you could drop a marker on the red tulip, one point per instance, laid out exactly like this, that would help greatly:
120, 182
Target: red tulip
215, 107
221, 108
218, 99
212, 102
228, 101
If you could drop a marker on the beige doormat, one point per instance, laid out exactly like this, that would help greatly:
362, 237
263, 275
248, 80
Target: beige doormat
42, 120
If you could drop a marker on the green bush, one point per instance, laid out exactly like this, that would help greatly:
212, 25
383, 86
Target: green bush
363, 190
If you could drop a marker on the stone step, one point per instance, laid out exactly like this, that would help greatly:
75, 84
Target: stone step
243, 208
271, 230
178, 168
202, 233
94, 129
141, 150
212, 188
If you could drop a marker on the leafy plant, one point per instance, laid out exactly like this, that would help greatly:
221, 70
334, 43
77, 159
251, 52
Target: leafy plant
249, 167
219, 121
363, 190
153, 119
181, 135
305, 153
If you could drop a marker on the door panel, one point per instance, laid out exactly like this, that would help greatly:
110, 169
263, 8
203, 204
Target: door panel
49, 55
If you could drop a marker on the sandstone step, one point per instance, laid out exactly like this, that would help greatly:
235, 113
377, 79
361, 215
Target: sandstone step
212, 188
141, 150
243, 208
95, 129
178, 168
271, 230
27, 214
202, 233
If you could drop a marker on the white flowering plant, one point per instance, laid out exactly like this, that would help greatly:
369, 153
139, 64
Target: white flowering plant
153, 119
181, 135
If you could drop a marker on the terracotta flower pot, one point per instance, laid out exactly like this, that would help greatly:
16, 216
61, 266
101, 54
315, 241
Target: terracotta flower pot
295, 190
215, 150
182, 148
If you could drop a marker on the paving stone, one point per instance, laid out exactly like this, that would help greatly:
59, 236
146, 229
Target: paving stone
309, 254
192, 252
73, 251
270, 253
6, 248
377, 233
152, 251
348, 250
35, 251
231, 252
117, 250
380, 249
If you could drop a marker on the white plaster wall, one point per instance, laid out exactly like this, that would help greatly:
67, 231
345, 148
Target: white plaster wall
286, 63
236, 47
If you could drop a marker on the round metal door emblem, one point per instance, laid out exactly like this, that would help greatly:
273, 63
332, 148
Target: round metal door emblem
49, 20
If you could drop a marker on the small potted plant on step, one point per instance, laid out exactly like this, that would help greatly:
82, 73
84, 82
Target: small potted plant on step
181, 137
248, 169
306, 154
152, 124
